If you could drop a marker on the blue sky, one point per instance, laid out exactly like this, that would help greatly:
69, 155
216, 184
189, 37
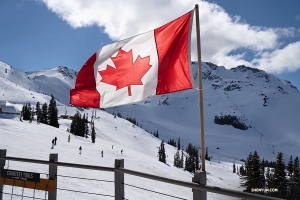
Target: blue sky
43, 34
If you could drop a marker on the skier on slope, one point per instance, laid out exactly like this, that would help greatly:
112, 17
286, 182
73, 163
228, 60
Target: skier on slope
80, 149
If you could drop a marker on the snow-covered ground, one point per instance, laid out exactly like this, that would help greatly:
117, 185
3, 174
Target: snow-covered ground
140, 149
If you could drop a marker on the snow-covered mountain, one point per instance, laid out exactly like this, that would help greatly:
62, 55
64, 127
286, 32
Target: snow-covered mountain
263, 108
37, 85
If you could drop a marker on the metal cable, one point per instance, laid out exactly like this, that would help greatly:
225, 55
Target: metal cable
85, 178
154, 191
85, 192
20, 195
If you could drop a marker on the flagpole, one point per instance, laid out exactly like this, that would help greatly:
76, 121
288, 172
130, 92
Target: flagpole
200, 89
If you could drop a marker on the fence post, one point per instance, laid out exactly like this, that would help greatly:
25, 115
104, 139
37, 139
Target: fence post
53, 175
2, 164
119, 180
200, 178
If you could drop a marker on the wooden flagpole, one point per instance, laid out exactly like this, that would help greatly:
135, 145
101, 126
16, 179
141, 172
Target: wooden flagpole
200, 89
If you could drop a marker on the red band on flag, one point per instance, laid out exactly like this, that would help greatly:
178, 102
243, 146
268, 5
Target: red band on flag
85, 93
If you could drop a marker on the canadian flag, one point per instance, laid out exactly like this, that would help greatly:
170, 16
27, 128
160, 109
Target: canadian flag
153, 63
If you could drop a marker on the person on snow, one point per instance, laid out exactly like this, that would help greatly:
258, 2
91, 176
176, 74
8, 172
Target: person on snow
122, 151
80, 149
52, 144
102, 153
55, 140
69, 138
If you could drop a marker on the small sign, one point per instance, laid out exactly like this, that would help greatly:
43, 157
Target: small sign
20, 175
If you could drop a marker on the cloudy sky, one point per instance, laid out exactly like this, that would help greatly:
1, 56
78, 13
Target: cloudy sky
43, 34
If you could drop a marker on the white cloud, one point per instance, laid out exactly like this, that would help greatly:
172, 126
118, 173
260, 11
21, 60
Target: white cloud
279, 60
221, 34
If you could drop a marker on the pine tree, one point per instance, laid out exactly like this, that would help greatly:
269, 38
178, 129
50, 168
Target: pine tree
162, 153
27, 111
295, 180
234, 170
290, 167
76, 125
181, 160
269, 179
177, 159
38, 111
93, 134
254, 175
44, 114
178, 144
192, 159
206, 155
279, 178
53, 113
196, 159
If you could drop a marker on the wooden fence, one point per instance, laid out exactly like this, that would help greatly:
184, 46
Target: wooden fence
50, 185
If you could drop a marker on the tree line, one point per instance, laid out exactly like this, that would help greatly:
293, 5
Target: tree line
46, 113
79, 126
282, 181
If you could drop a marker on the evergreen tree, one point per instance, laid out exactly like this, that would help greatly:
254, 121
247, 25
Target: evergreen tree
162, 153
295, 181
206, 155
44, 116
27, 111
196, 159
254, 175
38, 111
85, 126
279, 178
242, 171
178, 144
76, 125
93, 134
290, 167
53, 113
177, 159
172, 142
234, 170
192, 159
181, 160
269, 179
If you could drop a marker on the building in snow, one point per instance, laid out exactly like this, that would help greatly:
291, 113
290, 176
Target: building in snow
7, 108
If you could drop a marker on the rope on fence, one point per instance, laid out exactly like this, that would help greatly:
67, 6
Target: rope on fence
85, 192
155, 191
21, 195
90, 179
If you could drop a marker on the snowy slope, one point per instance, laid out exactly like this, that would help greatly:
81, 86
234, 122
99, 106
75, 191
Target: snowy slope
50, 80
15, 83
22, 139
273, 123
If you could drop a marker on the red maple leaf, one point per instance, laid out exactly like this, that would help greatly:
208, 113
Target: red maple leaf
126, 73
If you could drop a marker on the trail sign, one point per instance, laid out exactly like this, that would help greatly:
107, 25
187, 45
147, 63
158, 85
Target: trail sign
20, 175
